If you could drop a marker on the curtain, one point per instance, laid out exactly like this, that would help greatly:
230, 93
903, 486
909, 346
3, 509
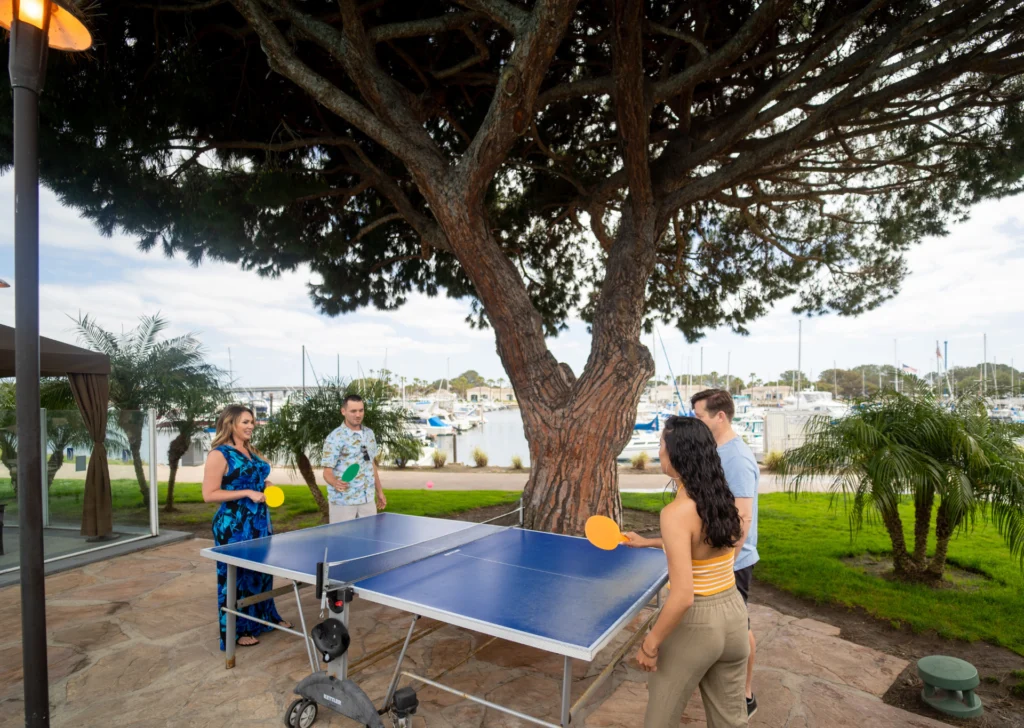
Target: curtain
91, 393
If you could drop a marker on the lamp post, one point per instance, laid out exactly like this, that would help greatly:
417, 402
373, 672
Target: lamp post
35, 26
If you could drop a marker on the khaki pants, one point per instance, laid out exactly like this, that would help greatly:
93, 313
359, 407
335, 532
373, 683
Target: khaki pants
349, 513
708, 648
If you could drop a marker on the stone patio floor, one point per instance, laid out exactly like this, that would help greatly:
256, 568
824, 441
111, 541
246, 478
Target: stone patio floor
133, 642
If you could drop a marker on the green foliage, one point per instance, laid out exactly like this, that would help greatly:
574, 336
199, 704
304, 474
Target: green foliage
218, 156
479, 457
807, 550
404, 451
774, 461
517, 462
899, 449
440, 458
640, 461
300, 428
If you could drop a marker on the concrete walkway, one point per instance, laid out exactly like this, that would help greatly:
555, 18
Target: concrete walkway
133, 642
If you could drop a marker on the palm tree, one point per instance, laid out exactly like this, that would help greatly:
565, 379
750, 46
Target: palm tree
64, 426
911, 449
145, 372
196, 403
297, 432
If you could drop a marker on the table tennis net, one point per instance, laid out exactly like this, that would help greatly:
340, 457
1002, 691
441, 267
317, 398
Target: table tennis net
348, 571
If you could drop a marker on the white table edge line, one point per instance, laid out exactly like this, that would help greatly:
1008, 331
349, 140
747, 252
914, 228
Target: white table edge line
546, 644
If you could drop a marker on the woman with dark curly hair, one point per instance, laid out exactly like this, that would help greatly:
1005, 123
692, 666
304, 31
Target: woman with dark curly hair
700, 638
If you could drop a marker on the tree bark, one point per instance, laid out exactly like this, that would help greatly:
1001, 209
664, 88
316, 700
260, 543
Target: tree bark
53, 464
903, 564
175, 451
306, 469
922, 526
131, 424
943, 532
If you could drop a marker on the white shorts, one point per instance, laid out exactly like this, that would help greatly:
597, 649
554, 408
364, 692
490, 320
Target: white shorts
341, 513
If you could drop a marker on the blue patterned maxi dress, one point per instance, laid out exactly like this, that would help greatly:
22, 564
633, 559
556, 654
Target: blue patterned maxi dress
243, 520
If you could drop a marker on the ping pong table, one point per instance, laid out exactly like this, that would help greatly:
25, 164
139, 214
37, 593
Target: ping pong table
556, 593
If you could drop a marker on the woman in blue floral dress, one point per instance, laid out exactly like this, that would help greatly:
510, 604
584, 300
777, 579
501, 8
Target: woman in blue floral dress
236, 476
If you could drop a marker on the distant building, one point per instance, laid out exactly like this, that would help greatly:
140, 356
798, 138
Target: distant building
490, 394
768, 396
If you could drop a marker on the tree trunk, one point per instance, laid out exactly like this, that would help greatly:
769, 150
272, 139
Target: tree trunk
306, 469
53, 464
943, 532
922, 526
136, 446
175, 451
131, 424
902, 562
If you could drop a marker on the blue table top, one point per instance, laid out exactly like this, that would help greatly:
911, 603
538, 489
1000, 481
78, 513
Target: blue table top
558, 593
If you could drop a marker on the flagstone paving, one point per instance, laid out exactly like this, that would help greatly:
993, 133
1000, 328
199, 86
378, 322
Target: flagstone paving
133, 642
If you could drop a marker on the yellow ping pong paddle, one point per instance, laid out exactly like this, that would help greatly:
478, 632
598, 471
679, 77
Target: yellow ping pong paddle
604, 533
273, 496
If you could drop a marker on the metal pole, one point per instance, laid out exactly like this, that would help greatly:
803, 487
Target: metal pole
895, 366
799, 357
46, 470
303, 370
566, 689
154, 484
27, 66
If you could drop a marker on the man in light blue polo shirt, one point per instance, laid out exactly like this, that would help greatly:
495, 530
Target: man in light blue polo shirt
715, 408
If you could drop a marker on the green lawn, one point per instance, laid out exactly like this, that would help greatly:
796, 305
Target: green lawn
298, 511
803, 542
802, 545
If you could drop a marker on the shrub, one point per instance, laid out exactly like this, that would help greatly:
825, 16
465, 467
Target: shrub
517, 462
440, 458
774, 461
640, 460
479, 457
405, 450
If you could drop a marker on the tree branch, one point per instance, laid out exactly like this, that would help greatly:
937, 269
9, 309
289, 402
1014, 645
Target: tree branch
632, 109
419, 28
504, 13
511, 110
282, 59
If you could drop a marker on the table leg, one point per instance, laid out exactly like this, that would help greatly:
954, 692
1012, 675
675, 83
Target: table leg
566, 690
229, 631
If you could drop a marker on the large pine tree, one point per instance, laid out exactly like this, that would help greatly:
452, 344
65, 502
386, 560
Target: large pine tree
692, 162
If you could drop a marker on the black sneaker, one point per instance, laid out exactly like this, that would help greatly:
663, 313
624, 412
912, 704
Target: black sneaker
751, 706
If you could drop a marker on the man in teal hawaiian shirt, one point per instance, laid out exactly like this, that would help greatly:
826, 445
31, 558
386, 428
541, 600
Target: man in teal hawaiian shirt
348, 444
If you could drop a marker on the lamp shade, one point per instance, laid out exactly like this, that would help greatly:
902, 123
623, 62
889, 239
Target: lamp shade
65, 32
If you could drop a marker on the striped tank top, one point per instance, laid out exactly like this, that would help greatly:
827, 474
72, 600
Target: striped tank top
713, 576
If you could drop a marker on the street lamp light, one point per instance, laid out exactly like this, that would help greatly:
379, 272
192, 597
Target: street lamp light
35, 26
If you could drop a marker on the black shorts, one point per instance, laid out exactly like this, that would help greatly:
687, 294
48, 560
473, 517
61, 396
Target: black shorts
743, 584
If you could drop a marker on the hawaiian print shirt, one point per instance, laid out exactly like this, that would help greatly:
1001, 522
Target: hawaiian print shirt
343, 447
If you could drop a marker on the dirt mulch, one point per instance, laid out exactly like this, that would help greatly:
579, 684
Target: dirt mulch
994, 664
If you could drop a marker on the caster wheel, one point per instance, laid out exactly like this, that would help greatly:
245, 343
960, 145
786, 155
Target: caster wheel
300, 714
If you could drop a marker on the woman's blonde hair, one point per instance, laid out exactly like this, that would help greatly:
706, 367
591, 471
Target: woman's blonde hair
226, 426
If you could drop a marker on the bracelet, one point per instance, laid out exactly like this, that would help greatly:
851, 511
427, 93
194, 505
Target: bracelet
648, 654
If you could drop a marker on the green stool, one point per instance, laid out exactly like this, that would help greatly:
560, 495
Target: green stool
949, 685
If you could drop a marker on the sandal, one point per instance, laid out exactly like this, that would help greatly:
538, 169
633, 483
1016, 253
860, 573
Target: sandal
247, 644
285, 623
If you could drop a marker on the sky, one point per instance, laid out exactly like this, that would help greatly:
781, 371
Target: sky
961, 286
